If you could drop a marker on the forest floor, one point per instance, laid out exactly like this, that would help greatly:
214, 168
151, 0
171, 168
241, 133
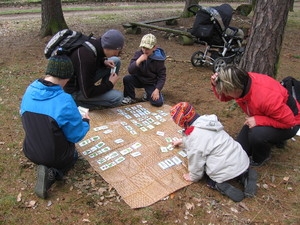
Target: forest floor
83, 197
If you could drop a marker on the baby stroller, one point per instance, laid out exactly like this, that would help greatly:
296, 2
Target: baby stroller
223, 43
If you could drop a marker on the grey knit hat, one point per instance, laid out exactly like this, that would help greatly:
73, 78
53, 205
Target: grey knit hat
60, 66
112, 39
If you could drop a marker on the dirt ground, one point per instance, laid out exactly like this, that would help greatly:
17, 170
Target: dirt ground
83, 197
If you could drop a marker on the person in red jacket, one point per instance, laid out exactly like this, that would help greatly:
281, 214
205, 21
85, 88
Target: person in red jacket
270, 120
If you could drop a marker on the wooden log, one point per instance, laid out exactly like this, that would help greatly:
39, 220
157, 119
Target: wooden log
184, 40
179, 32
161, 20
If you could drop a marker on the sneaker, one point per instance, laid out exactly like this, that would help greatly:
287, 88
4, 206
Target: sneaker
44, 181
145, 97
230, 191
250, 183
127, 100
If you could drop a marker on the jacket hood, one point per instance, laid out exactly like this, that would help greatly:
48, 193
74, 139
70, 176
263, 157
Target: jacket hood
41, 92
158, 54
208, 122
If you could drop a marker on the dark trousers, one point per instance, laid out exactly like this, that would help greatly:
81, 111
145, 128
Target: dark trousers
257, 141
131, 82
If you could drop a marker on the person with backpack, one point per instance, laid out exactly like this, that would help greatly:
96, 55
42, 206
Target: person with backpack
96, 75
213, 152
52, 124
272, 114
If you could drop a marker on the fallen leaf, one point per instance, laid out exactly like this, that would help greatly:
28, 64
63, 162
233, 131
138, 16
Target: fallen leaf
172, 195
19, 197
286, 179
234, 210
86, 220
189, 206
243, 205
30, 204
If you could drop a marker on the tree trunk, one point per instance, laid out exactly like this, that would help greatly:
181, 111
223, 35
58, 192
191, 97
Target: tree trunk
292, 6
266, 36
52, 17
186, 13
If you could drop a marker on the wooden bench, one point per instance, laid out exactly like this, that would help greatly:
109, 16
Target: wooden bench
185, 38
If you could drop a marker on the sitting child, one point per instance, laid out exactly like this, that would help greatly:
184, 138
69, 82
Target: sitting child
211, 151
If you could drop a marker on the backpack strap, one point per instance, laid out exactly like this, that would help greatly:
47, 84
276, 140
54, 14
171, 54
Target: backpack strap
90, 46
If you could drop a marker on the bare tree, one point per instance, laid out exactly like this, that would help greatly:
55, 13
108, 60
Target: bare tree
52, 17
188, 3
266, 36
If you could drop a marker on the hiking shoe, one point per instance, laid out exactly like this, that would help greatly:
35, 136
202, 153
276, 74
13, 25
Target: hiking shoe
145, 97
45, 178
250, 183
230, 191
280, 144
41, 184
257, 164
127, 100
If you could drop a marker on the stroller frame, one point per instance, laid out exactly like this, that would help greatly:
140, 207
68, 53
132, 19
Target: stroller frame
228, 49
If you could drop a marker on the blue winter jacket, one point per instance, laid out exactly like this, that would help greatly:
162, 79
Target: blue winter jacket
52, 124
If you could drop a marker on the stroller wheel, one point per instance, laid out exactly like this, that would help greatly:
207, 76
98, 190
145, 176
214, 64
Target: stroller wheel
198, 59
218, 64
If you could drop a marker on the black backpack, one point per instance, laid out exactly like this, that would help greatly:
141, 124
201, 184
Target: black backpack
293, 87
68, 40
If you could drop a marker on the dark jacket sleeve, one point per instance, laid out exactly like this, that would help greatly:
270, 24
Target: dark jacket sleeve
148, 72
85, 66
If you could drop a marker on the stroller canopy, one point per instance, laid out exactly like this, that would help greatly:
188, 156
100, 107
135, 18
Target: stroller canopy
211, 22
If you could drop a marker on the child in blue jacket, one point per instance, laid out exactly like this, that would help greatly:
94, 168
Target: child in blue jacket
52, 124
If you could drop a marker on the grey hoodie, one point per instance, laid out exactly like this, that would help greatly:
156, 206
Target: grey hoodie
212, 150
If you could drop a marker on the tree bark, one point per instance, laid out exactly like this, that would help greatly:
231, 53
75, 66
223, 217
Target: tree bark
186, 13
266, 36
52, 17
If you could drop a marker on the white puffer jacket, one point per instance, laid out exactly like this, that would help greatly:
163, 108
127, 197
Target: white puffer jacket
212, 150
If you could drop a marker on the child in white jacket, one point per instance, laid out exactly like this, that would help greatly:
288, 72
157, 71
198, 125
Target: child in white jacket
212, 151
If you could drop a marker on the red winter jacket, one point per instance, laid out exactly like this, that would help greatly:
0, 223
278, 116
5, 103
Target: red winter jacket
266, 101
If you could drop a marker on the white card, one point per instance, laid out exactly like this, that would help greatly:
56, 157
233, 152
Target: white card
169, 162
163, 165
160, 133
182, 153
163, 149
176, 160
135, 154
83, 110
112, 70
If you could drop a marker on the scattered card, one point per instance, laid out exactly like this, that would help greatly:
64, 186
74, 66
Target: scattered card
163, 165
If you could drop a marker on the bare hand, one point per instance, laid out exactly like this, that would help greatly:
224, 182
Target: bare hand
155, 95
109, 63
177, 142
142, 58
86, 116
113, 78
187, 177
250, 122
214, 78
